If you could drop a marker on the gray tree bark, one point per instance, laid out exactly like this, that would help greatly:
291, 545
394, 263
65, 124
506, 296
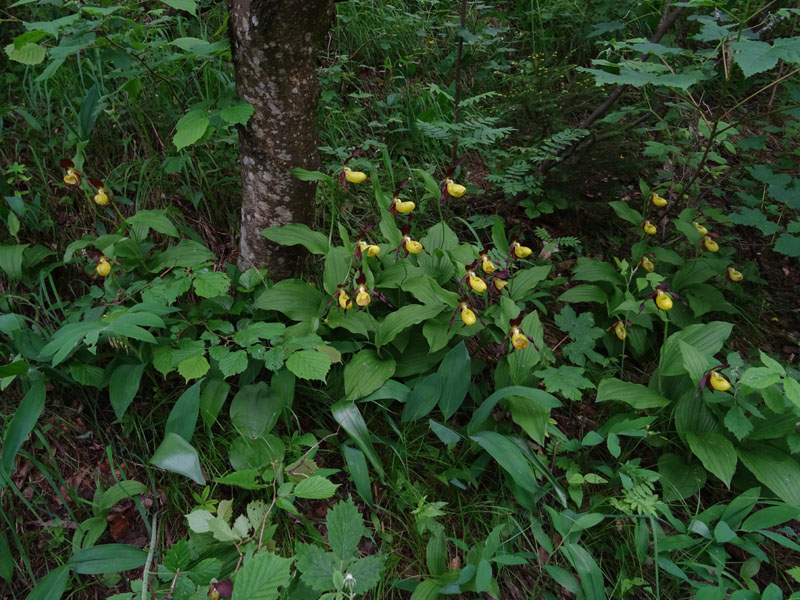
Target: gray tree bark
275, 44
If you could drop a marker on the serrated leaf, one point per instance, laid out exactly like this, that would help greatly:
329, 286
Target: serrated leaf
192, 126
315, 488
316, 567
738, 423
210, 284
233, 364
261, 577
754, 56
237, 114
366, 572
193, 367
309, 364
27, 54
788, 244
345, 529
759, 378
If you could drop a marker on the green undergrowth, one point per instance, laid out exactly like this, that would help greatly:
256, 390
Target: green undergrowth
553, 365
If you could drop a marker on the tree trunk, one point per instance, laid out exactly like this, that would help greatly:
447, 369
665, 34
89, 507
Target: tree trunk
275, 44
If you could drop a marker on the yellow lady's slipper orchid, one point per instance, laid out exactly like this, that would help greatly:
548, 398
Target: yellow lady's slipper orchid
412, 246
718, 382
369, 249
71, 177
101, 197
404, 207
467, 316
518, 339
456, 190
657, 200
354, 176
734, 275
620, 331
647, 264
476, 283
103, 267
521, 251
710, 244
663, 301
345, 302
499, 284
649, 228
487, 265
700, 229
362, 296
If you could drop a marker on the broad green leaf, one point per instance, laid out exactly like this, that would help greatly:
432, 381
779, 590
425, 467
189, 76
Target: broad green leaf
423, 397
346, 413
107, 558
52, 586
716, 453
309, 364
634, 394
123, 386
212, 398
707, 339
27, 54
315, 487
526, 280
316, 568
584, 292
678, 479
22, 423
775, 469
294, 298
237, 114
484, 411
626, 212
592, 269
588, 572
365, 373
255, 410
359, 474
11, 260
189, 6
156, 220
261, 577
297, 233
694, 361
337, 268
179, 456
456, 376
183, 416
402, 319
426, 590
191, 127
508, 456
770, 517
120, 491
531, 416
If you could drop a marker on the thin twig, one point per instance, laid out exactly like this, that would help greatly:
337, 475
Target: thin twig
148, 563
